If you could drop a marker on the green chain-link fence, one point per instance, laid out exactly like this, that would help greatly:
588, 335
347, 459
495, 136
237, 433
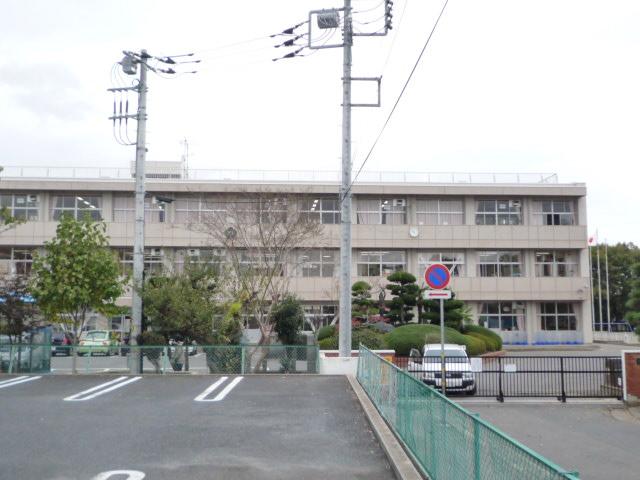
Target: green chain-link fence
229, 359
447, 441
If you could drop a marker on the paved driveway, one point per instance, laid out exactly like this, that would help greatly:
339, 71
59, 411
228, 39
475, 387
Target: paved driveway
195, 427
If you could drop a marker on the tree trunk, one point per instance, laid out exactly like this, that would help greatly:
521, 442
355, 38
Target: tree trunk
186, 357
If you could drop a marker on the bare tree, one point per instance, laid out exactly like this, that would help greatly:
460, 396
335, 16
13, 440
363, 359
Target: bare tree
262, 233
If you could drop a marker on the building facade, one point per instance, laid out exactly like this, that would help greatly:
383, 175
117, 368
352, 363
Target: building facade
516, 244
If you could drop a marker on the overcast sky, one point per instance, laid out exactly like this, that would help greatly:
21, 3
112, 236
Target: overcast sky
505, 86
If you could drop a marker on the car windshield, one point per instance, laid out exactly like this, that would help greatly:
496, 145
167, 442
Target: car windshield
96, 336
447, 353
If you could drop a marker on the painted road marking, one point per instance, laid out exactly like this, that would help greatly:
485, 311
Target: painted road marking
101, 389
131, 475
203, 396
16, 381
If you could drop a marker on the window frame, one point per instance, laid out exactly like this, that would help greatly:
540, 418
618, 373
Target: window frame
455, 265
500, 265
379, 266
552, 217
555, 265
153, 213
13, 208
496, 212
319, 206
324, 266
439, 212
501, 314
77, 211
384, 211
553, 318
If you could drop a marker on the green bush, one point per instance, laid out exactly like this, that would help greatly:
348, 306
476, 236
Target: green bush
403, 339
326, 332
491, 339
369, 337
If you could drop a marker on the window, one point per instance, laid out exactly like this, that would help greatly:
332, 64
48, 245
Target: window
499, 264
557, 316
124, 210
498, 212
454, 261
317, 263
323, 210
198, 209
319, 315
553, 212
22, 206
78, 206
556, 263
19, 259
267, 262
440, 212
214, 257
376, 264
264, 211
382, 211
508, 316
153, 261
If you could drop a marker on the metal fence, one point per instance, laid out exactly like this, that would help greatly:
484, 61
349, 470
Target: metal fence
445, 440
230, 359
558, 377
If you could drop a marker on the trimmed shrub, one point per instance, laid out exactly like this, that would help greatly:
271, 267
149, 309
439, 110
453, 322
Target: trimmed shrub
326, 332
491, 338
403, 339
369, 337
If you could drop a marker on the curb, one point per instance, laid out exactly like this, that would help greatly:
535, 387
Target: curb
401, 464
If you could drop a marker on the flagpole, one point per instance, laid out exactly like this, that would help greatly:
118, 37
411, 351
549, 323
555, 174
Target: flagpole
606, 276
599, 283
593, 311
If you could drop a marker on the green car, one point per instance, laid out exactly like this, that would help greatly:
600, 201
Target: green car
98, 342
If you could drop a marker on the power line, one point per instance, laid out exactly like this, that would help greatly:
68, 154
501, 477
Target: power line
415, 66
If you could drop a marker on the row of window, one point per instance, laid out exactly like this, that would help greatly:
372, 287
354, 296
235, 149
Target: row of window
510, 316
376, 211
324, 262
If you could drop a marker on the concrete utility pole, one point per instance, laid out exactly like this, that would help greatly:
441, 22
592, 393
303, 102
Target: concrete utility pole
345, 190
138, 231
330, 19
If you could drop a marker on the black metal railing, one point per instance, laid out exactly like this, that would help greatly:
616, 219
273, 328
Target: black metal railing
501, 377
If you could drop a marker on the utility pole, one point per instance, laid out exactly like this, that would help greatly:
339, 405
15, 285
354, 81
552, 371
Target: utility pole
330, 19
606, 275
345, 190
129, 65
138, 230
599, 286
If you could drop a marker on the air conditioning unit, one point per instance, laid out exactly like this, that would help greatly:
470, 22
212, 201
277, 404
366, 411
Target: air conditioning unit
518, 306
514, 203
399, 202
156, 252
33, 198
193, 252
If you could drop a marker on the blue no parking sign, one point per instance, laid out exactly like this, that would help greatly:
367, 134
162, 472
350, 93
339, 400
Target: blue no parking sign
437, 276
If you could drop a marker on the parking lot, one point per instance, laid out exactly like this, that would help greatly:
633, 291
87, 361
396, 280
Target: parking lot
183, 426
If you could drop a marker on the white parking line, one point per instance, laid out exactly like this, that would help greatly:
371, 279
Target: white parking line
16, 381
203, 396
227, 389
101, 390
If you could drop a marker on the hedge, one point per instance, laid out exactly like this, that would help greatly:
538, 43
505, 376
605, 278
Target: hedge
369, 337
491, 338
403, 339
326, 332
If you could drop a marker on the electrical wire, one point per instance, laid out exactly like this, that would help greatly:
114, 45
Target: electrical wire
384, 126
395, 36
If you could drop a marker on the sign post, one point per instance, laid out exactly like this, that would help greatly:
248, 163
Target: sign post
438, 278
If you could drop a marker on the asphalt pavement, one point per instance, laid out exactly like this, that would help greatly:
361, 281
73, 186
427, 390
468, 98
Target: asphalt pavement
197, 427
598, 440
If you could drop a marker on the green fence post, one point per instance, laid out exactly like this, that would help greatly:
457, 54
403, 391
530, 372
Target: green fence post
476, 447
165, 357
242, 354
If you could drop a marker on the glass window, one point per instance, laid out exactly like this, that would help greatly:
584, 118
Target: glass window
22, 206
454, 261
213, 257
378, 263
556, 263
499, 264
195, 208
319, 315
553, 212
440, 212
557, 316
498, 212
78, 206
266, 262
323, 210
19, 260
124, 210
508, 316
389, 211
153, 261
317, 263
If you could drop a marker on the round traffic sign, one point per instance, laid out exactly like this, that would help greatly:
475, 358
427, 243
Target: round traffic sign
437, 276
